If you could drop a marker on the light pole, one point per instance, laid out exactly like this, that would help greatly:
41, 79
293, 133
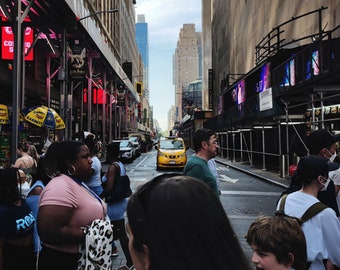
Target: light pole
17, 20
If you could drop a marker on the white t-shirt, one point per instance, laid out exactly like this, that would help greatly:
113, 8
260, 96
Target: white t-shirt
335, 177
322, 231
95, 179
212, 167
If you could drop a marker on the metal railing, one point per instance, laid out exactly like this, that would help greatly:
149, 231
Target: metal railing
274, 41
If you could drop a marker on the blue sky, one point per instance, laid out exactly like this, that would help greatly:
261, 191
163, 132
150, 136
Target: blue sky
165, 19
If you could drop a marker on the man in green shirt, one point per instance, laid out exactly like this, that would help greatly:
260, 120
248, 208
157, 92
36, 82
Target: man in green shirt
206, 147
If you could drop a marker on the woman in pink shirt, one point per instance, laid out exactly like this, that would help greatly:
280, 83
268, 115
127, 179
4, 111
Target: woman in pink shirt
66, 205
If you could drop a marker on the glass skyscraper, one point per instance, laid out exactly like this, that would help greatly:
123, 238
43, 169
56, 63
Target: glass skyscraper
143, 47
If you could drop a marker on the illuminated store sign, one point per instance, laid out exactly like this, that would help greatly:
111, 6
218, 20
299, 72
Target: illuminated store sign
7, 43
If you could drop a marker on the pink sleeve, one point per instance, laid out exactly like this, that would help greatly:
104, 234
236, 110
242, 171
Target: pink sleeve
60, 191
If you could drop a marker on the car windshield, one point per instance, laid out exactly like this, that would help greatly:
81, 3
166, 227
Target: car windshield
124, 144
171, 144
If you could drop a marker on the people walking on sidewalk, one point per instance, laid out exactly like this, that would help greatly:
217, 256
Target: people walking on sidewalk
25, 161
67, 206
322, 231
177, 222
40, 180
95, 182
116, 209
206, 147
322, 143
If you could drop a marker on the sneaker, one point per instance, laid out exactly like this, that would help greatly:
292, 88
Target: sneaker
114, 252
125, 267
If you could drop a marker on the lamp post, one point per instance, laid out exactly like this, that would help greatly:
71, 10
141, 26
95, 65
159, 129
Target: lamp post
17, 71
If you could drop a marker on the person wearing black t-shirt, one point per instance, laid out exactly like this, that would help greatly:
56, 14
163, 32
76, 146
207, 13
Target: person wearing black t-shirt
16, 224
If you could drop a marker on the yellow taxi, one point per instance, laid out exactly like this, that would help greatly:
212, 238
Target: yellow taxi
171, 153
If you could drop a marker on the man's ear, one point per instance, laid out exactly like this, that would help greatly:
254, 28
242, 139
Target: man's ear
146, 257
321, 180
291, 259
204, 144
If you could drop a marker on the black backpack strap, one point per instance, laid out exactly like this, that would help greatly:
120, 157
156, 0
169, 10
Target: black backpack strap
313, 211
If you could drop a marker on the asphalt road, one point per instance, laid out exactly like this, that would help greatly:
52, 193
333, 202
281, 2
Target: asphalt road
244, 197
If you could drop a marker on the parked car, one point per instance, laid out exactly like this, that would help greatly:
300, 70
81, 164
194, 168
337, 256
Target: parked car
136, 142
127, 151
171, 153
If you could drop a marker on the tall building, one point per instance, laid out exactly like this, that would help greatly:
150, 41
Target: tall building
187, 63
143, 47
274, 76
171, 117
206, 53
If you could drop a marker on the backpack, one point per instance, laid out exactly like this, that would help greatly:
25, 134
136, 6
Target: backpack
121, 188
312, 211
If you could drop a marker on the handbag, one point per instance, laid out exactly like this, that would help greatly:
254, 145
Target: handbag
121, 188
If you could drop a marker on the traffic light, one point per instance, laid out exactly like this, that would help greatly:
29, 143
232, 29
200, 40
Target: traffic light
139, 88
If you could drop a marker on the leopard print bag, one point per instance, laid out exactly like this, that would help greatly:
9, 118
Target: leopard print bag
96, 253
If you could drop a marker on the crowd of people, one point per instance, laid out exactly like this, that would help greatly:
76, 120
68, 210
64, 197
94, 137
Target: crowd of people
63, 218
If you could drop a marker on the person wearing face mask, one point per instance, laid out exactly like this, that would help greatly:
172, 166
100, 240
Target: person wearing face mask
322, 231
323, 143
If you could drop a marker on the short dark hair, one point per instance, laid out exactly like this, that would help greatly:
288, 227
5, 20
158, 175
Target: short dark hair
184, 225
320, 139
202, 135
310, 167
279, 235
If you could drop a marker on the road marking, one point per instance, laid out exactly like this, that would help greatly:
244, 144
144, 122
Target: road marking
259, 193
141, 161
225, 169
228, 179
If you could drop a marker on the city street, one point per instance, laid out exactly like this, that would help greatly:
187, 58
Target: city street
244, 197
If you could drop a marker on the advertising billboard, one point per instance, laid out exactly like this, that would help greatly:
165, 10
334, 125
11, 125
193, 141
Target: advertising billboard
7, 43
